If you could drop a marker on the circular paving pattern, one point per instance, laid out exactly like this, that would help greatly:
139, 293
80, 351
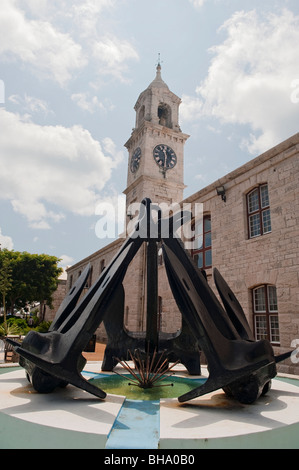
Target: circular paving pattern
72, 418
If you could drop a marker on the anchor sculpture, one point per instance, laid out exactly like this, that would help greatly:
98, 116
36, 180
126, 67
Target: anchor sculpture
237, 363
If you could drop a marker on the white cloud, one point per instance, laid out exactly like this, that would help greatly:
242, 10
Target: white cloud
41, 35
250, 78
91, 104
86, 14
191, 108
48, 170
5, 242
38, 43
31, 104
39, 8
197, 3
112, 55
80, 8
66, 261
2, 92
110, 148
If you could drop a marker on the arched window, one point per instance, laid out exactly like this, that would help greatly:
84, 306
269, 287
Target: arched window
164, 115
265, 313
202, 243
258, 211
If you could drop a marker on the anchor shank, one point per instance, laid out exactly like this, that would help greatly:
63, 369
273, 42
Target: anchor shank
152, 296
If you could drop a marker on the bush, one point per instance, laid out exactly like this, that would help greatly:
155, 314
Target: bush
43, 327
19, 323
11, 330
19, 326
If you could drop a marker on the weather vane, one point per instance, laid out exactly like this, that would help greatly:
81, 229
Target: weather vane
159, 60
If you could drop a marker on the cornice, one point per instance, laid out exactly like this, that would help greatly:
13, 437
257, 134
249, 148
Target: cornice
149, 126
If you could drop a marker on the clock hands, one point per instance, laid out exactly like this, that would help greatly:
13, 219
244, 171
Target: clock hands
164, 157
135, 161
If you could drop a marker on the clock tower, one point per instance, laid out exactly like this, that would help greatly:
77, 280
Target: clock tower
156, 147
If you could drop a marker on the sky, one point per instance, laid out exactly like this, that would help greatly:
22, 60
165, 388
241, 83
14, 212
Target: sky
71, 72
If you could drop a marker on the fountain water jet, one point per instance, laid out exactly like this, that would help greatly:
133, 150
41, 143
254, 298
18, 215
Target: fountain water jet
149, 371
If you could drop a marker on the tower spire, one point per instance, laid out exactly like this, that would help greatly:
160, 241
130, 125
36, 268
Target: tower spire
158, 81
159, 66
159, 60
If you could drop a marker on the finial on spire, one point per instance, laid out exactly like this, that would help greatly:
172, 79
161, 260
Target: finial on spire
159, 66
159, 60
158, 82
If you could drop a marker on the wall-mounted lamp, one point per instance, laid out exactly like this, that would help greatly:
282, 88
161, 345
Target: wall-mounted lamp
221, 192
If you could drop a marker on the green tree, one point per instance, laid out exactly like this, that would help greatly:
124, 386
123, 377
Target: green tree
35, 279
5, 284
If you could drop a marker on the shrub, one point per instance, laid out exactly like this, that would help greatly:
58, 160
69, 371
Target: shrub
43, 327
11, 330
19, 323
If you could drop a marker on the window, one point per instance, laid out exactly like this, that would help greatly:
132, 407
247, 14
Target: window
102, 266
89, 279
258, 209
202, 243
164, 115
265, 313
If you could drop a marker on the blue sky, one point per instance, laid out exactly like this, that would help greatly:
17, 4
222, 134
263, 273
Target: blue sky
72, 71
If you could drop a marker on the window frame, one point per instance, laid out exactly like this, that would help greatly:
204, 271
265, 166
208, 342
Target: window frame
204, 249
266, 315
258, 213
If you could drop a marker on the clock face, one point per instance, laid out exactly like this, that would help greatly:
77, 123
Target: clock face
164, 157
135, 160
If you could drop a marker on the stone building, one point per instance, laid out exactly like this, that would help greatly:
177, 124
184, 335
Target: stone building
252, 237
247, 226
58, 297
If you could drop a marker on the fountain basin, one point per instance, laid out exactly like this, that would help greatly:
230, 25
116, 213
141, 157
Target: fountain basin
171, 387
71, 418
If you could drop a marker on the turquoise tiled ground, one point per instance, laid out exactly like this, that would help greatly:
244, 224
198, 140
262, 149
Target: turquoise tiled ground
137, 426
